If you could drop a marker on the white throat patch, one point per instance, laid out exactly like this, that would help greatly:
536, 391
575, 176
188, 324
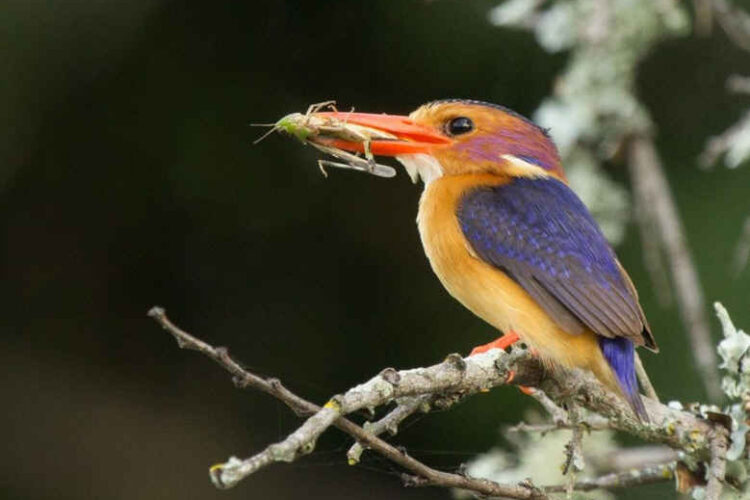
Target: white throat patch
421, 166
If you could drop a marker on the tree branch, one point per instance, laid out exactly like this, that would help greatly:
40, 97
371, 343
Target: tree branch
452, 379
303, 439
652, 189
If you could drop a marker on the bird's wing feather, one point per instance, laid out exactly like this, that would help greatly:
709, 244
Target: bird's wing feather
539, 233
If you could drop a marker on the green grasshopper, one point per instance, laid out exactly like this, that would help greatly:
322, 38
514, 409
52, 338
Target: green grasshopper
307, 127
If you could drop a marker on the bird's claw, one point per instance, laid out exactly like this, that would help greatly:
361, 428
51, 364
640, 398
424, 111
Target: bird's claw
500, 343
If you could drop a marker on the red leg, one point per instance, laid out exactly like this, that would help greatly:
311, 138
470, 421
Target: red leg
500, 343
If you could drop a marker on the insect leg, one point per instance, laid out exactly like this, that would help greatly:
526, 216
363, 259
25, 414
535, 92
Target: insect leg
369, 156
314, 108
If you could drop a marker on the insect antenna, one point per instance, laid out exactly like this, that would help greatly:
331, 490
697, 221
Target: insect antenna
274, 128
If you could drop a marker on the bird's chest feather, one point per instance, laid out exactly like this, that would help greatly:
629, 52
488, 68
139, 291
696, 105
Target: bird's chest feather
482, 288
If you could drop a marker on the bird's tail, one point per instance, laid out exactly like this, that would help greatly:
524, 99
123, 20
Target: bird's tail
620, 355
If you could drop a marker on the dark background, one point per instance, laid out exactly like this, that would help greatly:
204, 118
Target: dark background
128, 179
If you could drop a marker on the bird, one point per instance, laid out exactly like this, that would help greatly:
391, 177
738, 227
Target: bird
510, 240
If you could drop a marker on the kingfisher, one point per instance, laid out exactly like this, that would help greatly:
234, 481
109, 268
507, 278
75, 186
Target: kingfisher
510, 240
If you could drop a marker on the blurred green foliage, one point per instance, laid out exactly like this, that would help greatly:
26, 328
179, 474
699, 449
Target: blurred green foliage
128, 179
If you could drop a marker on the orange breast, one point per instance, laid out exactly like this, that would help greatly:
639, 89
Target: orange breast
487, 291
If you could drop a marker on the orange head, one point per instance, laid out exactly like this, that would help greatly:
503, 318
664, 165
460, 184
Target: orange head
456, 137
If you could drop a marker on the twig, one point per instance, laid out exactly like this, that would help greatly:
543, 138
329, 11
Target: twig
734, 21
720, 144
625, 459
574, 461
389, 423
652, 256
739, 84
718, 465
651, 184
599, 24
742, 249
573, 455
647, 475
703, 17
228, 474
726, 143
591, 423
559, 416
454, 374
643, 378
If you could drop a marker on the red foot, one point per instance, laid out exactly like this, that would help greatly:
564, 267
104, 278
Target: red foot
501, 343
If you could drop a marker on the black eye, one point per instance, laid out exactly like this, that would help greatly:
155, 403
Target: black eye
460, 125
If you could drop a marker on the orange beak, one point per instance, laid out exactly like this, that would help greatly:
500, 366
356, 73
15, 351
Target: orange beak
407, 137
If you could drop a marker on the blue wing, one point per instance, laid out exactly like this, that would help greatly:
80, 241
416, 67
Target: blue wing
539, 233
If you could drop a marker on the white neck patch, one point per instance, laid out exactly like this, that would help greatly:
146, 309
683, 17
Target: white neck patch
523, 168
422, 166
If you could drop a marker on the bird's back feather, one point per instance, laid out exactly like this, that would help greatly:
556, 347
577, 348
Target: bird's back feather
541, 234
